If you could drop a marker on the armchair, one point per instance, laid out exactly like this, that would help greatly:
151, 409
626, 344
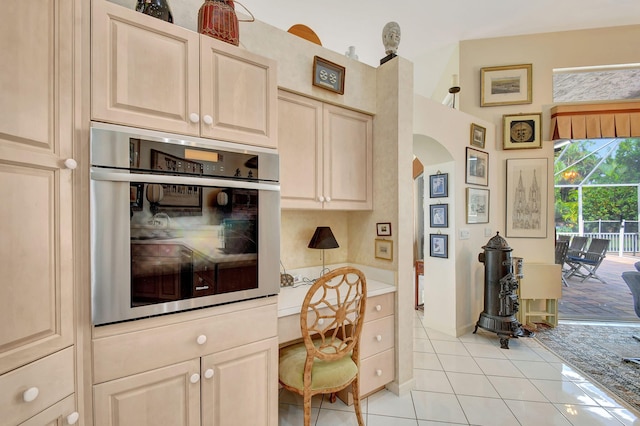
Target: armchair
586, 263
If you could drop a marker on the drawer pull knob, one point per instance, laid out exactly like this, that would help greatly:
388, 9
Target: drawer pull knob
378, 308
379, 338
202, 339
195, 378
204, 287
207, 119
378, 373
328, 199
194, 117
70, 163
208, 373
30, 394
72, 418
321, 199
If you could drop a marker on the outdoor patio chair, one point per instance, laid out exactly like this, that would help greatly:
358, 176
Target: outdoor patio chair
566, 238
576, 246
632, 278
562, 248
586, 263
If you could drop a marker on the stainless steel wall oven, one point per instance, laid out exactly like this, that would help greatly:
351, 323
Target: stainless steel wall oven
179, 223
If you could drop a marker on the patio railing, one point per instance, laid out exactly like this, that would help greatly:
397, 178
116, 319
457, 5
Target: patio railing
618, 242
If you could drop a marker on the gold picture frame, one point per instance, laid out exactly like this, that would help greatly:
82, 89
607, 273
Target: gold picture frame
478, 136
328, 75
522, 131
384, 249
506, 85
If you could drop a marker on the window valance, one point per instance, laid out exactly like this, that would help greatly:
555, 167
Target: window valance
589, 121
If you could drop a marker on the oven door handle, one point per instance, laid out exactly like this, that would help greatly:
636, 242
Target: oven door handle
119, 176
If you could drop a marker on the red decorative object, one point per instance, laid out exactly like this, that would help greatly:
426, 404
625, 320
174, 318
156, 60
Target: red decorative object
218, 19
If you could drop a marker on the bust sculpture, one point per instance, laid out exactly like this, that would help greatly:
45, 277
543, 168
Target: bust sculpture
391, 37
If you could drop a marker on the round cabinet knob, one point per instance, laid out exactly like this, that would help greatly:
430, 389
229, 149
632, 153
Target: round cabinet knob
208, 373
202, 339
30, 394
70, 163
207, 119
378, 373
327, 199
378, 308
321, 199
379, 338
195, 378
194, 117
72, 418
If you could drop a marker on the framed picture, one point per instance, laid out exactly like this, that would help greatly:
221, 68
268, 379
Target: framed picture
384, 249
477, 135
477, 202
439, 215
439, 245
521, 131
182, 200
505, 85
439, 185
383, 229
477, 172
526, 198
328, 75
134, 153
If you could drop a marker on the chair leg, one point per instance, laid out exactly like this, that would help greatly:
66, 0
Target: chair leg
355, 388
307, 409
634, 360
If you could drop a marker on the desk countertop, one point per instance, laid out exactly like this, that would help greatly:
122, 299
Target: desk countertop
290, 298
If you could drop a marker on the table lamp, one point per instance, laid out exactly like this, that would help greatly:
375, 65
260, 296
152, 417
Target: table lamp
323, 239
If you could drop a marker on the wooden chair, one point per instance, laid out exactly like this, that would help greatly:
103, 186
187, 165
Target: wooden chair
576, 246
562, 248
328, 359
587, 263
632, 278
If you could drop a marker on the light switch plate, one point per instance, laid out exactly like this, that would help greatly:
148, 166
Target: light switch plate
464, 234
488, 232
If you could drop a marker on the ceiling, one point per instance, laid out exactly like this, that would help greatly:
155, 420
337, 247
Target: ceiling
430, 25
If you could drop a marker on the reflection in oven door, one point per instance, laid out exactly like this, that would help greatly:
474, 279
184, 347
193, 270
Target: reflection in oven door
236, 276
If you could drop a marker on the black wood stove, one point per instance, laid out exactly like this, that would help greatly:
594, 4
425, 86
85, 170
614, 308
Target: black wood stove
501, 273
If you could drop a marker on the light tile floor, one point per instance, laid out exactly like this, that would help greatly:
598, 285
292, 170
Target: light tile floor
471, 381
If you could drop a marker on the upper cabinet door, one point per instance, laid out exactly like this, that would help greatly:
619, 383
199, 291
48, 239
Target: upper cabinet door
300, 147
145, 72
238, 92
348, 159
36, 134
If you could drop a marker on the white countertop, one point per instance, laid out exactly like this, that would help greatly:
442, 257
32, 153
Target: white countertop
290, 298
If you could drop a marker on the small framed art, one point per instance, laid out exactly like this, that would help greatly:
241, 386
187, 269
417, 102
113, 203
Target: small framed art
477, 172
384, 249
439, 215
439, 185
521, 131
477, 203
477, 135
439, 245
328, 75
383, 229
505, 85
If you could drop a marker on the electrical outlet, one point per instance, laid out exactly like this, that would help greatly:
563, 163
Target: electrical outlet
297, 278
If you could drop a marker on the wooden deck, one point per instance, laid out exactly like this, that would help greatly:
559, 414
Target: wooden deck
592, 300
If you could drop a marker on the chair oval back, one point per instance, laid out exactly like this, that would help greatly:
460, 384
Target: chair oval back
332, 314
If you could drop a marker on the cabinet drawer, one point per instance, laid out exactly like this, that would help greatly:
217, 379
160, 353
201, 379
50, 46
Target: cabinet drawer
142, 350
52, 376
55, 415
377, 336
376, 371
379, 306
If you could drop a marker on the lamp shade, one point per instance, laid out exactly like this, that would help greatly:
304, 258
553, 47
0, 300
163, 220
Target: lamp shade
323, 239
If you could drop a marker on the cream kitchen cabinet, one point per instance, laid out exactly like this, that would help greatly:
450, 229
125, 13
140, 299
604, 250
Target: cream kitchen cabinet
211, 367
325, 155
36, 172
151, 74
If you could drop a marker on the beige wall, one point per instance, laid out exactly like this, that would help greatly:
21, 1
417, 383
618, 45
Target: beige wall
603, 46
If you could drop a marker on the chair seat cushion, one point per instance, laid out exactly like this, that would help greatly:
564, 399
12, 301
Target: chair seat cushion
324, 374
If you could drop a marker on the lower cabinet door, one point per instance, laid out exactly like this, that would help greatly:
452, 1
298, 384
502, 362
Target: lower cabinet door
240, 386
62, 413
164, 396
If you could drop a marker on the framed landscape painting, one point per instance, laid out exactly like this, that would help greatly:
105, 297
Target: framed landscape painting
505, 85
